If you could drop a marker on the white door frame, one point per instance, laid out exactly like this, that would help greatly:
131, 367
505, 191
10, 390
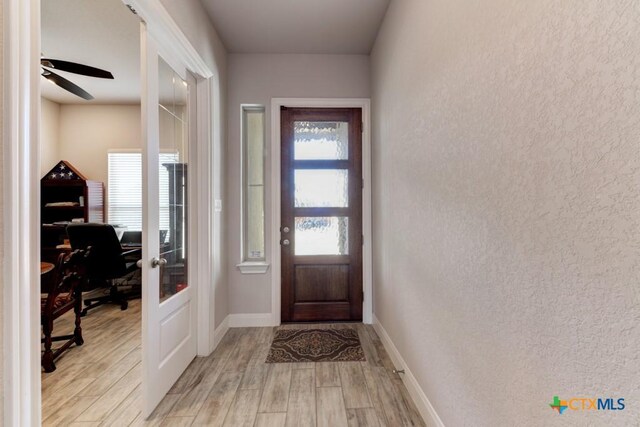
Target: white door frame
276, 257
21, 212
21, 194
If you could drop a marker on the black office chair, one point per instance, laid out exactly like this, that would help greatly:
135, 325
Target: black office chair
107, 262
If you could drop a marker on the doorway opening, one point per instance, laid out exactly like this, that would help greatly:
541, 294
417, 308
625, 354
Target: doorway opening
22, 247
277, 168
90, 204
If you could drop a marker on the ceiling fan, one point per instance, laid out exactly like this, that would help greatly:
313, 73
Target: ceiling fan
71, 67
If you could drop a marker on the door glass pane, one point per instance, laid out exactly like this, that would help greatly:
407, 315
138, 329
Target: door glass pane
322, 235
321, 188
321, 140
174, 153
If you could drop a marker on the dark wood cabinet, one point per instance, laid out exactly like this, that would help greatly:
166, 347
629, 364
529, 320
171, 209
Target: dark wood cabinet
177, 206
66, 196
174, 276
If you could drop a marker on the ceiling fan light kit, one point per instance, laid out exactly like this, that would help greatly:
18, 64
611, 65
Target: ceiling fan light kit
71, 67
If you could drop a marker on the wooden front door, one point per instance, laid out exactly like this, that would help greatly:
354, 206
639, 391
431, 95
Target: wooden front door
321, 224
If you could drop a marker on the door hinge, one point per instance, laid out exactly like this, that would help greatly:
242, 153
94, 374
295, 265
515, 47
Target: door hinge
363, 240
362, 127
362, 182
362, 295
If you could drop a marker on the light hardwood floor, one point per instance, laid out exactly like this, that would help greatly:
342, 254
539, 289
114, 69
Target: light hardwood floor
99, 383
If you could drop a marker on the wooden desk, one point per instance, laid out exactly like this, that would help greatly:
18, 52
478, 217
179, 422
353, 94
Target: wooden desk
46, 267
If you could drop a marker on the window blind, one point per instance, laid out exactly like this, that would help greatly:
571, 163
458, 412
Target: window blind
125, 189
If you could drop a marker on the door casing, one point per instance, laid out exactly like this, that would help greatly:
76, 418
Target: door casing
276, 259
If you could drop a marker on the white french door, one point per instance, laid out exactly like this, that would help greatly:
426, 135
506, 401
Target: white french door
168, 303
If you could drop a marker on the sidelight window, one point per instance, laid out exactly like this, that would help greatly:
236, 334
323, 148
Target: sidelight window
253, 146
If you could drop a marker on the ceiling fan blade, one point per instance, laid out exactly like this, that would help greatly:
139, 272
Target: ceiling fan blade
73, 67
66, 85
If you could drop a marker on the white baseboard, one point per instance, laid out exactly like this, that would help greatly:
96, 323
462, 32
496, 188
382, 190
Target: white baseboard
420, 399
219, 332
247, 320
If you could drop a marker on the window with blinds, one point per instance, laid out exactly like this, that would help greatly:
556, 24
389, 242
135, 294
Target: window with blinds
125, 189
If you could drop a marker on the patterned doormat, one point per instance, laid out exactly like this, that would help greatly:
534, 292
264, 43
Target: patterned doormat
315, 345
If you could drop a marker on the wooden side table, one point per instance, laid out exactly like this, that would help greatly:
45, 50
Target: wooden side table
46, 267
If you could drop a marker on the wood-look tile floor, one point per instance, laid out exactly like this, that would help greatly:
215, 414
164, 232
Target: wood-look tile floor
99, 383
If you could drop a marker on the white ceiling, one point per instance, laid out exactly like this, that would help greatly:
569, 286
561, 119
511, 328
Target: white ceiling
297, 26
99, 33
105, 34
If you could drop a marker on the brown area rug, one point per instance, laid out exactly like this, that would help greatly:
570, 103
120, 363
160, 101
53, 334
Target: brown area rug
315, 345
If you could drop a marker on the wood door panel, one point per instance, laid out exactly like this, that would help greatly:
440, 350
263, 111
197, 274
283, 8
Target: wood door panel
321, 283
322, 279
321, 312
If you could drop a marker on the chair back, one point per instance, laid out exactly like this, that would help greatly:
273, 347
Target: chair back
70, 277
105, 260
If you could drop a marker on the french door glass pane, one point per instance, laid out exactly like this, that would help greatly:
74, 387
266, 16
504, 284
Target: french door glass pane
321, 140
322, 235
315, 188
173, 110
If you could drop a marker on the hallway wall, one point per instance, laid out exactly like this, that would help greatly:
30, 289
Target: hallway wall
255, 79
506, 204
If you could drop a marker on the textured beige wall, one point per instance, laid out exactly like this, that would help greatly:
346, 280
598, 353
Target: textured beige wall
49, 135
88, 132
507, 204
255, 79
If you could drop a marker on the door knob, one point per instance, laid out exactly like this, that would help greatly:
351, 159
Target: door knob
155, 262
286, 229
139, 263
285, 242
